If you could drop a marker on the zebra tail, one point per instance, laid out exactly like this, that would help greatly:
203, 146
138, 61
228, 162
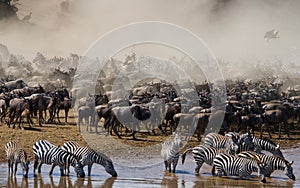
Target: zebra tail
184, 154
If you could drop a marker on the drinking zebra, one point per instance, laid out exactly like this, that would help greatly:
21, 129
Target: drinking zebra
15, 154
206, 154
273, 163
257, 145
47, 153
238, 166
170, 152
266, 145
88, 157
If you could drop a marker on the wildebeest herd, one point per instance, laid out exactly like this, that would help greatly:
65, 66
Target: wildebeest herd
158, 107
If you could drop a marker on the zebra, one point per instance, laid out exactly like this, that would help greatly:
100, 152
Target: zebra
88, 157
47, 153
273, 163
170, 152
206, 154
259, 145
219, 141
15, 154
238, 166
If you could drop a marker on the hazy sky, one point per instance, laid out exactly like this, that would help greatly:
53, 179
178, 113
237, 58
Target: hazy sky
233, 29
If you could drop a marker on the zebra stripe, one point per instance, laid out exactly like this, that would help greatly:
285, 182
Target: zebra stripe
47, 153
219, 141
204, 154
238, 166
273, 163
261, 144
170, 152
15, 154
88, 157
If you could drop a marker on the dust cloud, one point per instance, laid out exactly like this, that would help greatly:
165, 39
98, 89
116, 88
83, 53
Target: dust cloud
233, 29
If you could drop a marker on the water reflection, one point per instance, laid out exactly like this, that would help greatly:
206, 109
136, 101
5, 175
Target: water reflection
12, 182
169, 180
87, 183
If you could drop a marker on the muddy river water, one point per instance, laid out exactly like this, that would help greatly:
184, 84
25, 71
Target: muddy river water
150, 176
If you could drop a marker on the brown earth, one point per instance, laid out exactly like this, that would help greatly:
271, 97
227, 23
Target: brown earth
58, 134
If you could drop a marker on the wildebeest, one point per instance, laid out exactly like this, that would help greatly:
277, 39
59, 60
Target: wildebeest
16, 84
128, 116
18, 107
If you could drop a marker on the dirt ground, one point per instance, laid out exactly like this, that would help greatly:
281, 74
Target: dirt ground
58, 134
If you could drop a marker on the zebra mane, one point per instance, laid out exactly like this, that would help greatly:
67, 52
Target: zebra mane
102, 155
256, 158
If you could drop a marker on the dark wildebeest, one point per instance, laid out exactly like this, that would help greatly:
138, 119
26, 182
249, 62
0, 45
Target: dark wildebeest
62, 101
277, 114
172, 109
18, 107
103, 111
40, 103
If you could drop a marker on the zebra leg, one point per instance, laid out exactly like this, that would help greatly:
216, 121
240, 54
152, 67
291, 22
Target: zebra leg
174, 165
16, 167
169, 165
89, 169
12, 167
8, 166
219, 171
61, 167
35, 164
213, 170
39, 167
52, 168
199, 164
166, 165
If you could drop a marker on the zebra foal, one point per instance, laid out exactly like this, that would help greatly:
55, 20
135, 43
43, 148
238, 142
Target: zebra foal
15, 154
170, 152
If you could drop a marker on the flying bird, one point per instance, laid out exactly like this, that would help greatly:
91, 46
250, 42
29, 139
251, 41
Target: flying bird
27, 17
271, 34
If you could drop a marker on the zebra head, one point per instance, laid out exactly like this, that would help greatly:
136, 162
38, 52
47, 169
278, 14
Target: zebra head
79, 170
288, 170
232, 145
109, 168
262, 168
177, 139
247, 140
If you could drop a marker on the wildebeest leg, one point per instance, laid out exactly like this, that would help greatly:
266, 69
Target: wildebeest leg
29, 120
115, 131
286, 129
79, 121
57, 115
268, 129
40, 117
66, 114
